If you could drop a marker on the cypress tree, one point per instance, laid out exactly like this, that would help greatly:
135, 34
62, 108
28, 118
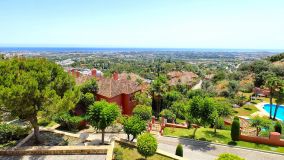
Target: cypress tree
235, 129
278, 127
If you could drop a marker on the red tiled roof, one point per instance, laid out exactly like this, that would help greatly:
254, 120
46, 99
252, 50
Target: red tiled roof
111, 88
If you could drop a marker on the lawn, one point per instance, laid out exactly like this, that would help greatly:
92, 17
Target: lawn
247, 95
222, 136
131, 153
245, 110
266, 99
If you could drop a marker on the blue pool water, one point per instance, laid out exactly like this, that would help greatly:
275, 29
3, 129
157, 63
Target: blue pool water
280, 111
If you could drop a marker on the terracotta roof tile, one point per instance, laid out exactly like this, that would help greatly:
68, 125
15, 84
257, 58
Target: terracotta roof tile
111, 88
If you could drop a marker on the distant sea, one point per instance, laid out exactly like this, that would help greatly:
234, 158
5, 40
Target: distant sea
93, 50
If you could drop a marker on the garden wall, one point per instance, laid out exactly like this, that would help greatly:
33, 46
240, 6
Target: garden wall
175, 125
274, 139
56, 150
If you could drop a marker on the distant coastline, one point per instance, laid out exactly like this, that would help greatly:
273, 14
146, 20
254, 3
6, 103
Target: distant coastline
106, 49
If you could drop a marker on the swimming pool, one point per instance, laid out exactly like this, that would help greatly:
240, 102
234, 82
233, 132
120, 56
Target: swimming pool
280, 111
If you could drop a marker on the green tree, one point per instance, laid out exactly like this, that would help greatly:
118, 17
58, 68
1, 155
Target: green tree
143, 112
180, 108
198, 92
233, 88
195, 110
260, 78
260, 123
30, 85
142, 98
224, 109
147, 145
208, 111
133, 126
202, 111
88, 99
220, 75
235, 129
89, 86
168, 114
102, 114
171, 97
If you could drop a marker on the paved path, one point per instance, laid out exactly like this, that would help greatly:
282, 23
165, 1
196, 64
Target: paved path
195, 150
55, 157
198, 85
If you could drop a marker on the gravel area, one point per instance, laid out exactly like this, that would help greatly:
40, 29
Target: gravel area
54, 139
55, 157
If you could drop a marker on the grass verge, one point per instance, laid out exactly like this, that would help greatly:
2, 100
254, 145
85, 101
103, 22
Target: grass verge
131, 153
222, 136
245, 110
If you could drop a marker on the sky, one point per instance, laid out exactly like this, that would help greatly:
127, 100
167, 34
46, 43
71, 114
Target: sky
249, 24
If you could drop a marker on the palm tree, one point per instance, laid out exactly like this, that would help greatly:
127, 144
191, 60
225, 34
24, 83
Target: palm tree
272, 83
259, 123
158, 87
279, 100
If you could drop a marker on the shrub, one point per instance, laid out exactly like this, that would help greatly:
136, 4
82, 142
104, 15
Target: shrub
227, 156
147, 145
69, 122
180, 108
220, 123
179, 150
168, 114
134, 126
247, 88
10, 132
278, 127
43, 121
143, 111
118, 155
235, 130
90, 86
88, 99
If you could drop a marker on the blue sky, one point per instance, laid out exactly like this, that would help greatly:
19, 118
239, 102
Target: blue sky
257, 24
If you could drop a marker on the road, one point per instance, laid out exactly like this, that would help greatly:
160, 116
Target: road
196, 150
198, 85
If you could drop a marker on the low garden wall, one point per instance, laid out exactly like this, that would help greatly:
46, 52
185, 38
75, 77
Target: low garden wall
274, 139
56, 150
175, 125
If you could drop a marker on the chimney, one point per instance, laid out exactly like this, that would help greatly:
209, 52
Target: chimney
115, 76
77, 74
73, 72
94, 72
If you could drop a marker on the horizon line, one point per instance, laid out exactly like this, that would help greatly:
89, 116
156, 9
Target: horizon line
129, 47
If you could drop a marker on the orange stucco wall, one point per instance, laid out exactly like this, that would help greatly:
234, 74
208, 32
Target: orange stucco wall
272, 140
123, 100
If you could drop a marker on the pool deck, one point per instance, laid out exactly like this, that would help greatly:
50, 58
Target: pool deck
261, 112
